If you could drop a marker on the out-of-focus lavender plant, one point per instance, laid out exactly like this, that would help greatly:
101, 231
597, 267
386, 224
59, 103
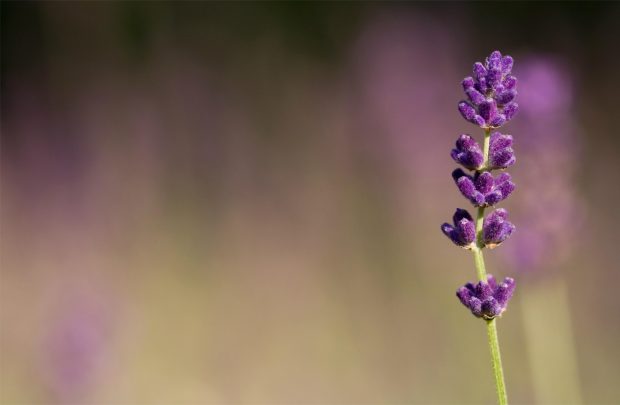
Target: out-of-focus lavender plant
550, 216
545, 235
76, 345
491, 93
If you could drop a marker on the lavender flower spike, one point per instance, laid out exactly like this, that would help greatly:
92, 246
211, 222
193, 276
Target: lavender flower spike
487, 299
496, 228
463, 232
468, 152
490, 92
482, 189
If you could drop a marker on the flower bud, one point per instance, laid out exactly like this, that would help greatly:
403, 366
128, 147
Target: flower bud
496, 228
463, 232
482, 189
501, 154
487, 299
468, 152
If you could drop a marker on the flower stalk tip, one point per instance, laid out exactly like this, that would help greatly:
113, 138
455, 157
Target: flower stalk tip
490, 92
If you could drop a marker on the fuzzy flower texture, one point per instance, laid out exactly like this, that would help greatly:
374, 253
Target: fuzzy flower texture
491, 93
487, 299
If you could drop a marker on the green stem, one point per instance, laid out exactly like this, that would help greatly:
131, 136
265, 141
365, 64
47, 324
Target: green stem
485, 148
496, 358
498, 370
479, 260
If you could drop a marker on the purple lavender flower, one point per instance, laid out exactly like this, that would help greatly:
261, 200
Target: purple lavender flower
496, 228
468, 152
463, 232
501, 154
482, 189
487, 299
76, 349
490, 92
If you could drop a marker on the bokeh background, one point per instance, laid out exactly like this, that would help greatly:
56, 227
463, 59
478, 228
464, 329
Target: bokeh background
239, 203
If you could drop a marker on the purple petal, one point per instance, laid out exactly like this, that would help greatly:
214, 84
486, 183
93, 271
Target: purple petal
467, 110
502, 178
498, 121
510, 82
458, 173
500, 213
507, 229
475, 305
464, 295
475, 96
506, 188
467, 231
488, 110
494, 77
466, 142
507, 63
494, 197
451, 233
467, 152
478, 120
501, 154
499, 141
467, 83
491, 281
504, 291
510, 110
483, 290
495, 228
466, 186
492, 229
490, 308
502, 159
479, 71
505, 97
484, 182
494, 60
460, 214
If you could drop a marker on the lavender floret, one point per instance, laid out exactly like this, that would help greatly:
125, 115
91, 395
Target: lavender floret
463, 232
470, 114
501, 154
496, 228
491, 92
487, 299
482, 189
468, 153
510, 110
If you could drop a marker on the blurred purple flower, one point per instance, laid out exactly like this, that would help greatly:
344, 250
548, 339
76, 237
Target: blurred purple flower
546, 235
75, 347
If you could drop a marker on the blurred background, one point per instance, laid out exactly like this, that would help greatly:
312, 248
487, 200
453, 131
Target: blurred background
239, 203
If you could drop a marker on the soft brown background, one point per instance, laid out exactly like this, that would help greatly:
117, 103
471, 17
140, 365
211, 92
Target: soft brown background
239, 203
